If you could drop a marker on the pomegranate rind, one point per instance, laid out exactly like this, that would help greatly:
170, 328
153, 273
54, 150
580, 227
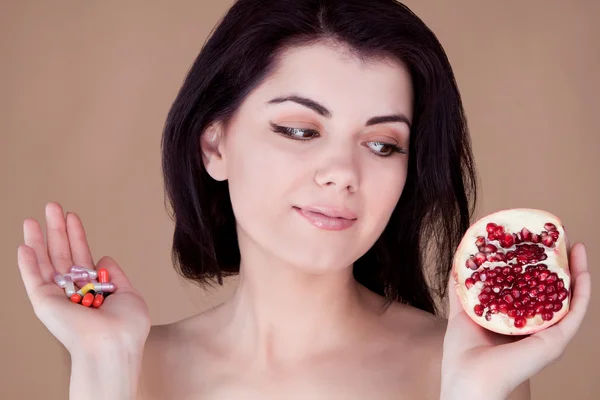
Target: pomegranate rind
513, 220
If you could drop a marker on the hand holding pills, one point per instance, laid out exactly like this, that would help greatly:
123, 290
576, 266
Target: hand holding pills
87, 306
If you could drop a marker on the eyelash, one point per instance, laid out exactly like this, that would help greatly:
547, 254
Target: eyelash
289, 132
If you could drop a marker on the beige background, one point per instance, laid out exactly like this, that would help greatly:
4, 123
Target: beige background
86, 85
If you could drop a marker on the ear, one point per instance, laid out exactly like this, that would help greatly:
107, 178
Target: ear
212, 145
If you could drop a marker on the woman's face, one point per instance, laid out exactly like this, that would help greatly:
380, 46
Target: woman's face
339, 157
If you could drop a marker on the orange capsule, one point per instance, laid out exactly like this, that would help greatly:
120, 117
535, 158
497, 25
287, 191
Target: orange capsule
102, 275
75, 297
98, 300
87, 299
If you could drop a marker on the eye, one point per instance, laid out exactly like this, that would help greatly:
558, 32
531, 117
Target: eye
295, 133
383, 149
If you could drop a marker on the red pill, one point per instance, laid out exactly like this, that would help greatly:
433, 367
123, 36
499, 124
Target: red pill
102, 275
98, 300
76, 297
87, 299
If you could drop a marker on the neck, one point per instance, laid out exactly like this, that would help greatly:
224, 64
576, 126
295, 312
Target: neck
280, 313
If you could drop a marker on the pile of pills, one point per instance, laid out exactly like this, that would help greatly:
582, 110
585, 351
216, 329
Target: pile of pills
94, 285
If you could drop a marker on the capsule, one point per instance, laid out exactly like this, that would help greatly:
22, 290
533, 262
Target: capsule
69, 287
87, 299
89, 286
59, 280
93, 274
98, 300
104, 287
76, 298
78, 275
103, 275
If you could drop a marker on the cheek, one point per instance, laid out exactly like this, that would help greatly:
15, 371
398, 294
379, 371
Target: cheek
383, 189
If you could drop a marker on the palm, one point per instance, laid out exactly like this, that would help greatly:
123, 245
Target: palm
123, 314
469, 347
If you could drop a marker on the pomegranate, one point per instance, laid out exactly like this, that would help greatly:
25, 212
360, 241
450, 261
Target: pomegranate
511, 271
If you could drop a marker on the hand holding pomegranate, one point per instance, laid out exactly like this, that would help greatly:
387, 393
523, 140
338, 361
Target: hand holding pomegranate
518, 294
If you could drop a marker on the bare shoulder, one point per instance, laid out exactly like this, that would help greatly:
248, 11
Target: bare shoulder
170, 351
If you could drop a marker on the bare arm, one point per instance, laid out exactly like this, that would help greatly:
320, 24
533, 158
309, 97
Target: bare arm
110, 373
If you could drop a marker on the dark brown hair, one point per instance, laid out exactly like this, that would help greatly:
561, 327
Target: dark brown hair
438, 199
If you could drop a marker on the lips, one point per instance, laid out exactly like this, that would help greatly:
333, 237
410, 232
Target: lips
328, 218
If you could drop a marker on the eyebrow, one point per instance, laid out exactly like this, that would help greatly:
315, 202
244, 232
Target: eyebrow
322, 110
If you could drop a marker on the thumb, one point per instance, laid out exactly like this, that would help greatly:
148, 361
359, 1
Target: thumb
455, 306
115, 274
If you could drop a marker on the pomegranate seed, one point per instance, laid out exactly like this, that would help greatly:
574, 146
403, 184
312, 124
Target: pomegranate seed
527, 277
507, 241
529, 313
508, 298
510, 278
515, 293
498, 232
535, 238
489, 248
488, 316
541, 288
525, 300
544, 275
512, 313
560, 284
475, 276
554, 235
500, 279
478, 309
469, 283
549, 306
484, 298
471, 264
557, 306
503, 308
490, 227
533, 283
548, 241
526, 235
501, 257
550, 289
482, 277
480, 241
552, 278
553, 297
493, 306
479, 258
492, 258
518, 237
539, 308
541, 297
547, 316
520, 322
543, 257
562, 294
549, 226
517, 269
510, 255
533, 293
517, 304
506, 270
496, 288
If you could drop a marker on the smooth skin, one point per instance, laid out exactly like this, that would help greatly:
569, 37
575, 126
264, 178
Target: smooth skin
298, 325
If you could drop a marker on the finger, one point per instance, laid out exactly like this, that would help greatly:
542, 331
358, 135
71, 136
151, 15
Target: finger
546, 346
30, 272
80, 250
454, 304
33, 238
565, 330
115, 274
58, 242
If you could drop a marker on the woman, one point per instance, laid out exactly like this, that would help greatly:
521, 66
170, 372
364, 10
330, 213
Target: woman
320, 150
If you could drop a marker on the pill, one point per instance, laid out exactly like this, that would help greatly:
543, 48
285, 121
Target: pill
93, 274
76, 298
86, 288
87, 299
78, 275
59, 280
104, 287
103, 275
69, 287
98, 300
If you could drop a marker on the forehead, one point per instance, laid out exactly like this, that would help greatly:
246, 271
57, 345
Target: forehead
341, 81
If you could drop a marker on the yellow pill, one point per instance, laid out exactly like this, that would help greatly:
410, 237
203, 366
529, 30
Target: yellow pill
85, 289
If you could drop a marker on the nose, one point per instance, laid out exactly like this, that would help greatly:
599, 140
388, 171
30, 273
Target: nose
339, 172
